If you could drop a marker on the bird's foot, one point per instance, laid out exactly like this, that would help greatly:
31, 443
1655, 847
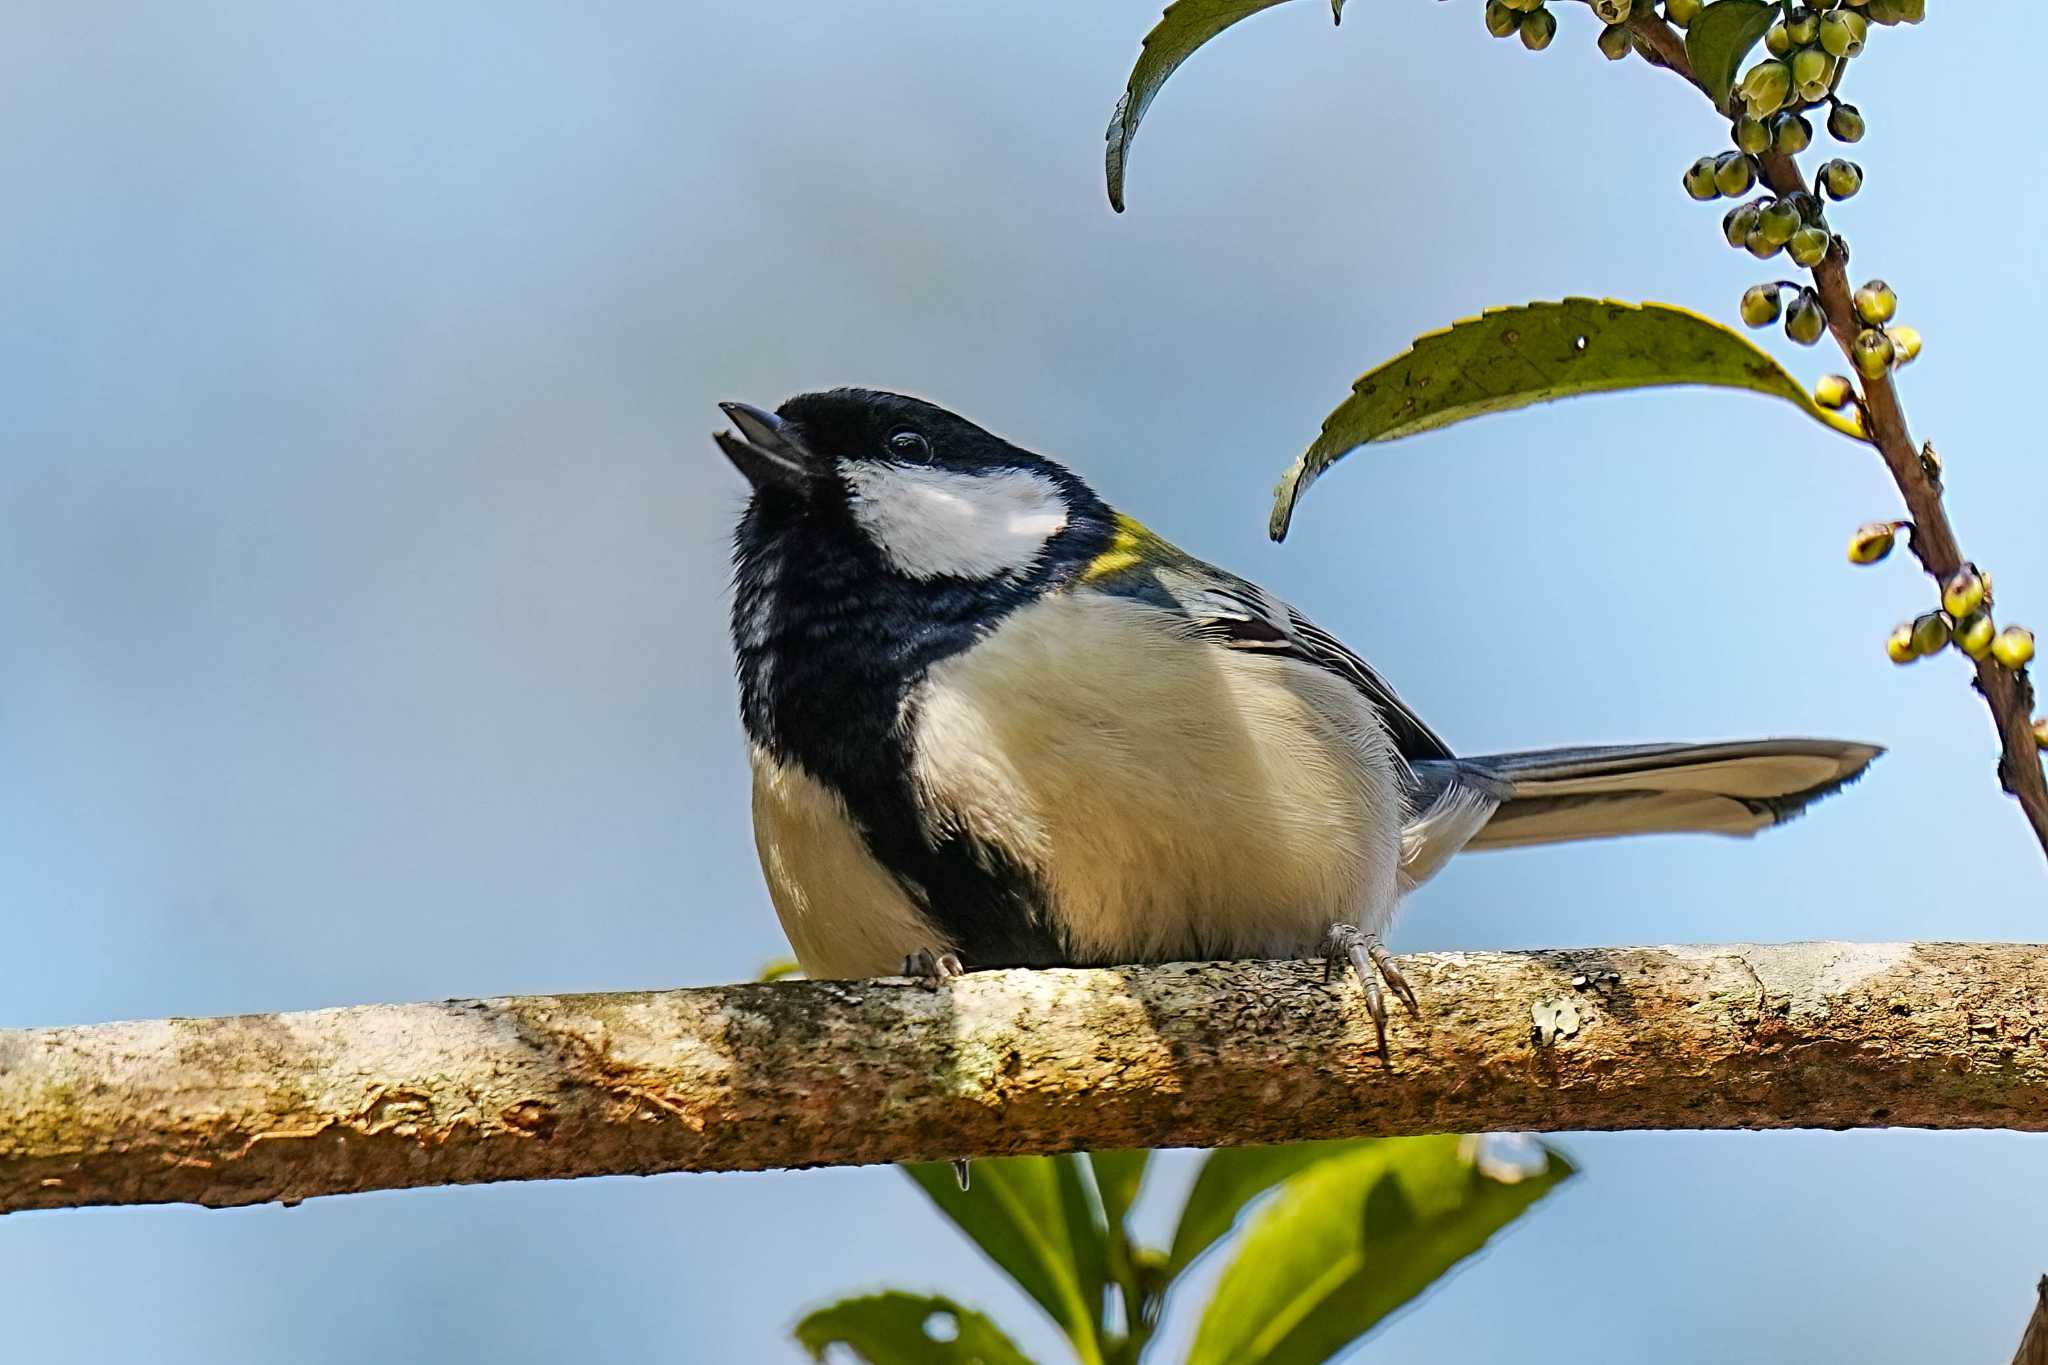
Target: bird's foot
933, 969
1347, 943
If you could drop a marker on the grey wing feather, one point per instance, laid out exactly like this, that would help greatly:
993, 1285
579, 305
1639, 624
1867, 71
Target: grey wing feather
1241, 615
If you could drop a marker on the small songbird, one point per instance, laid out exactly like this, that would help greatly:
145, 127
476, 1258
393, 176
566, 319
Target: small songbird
996, 723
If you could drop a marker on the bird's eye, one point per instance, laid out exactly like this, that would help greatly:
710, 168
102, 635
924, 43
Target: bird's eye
908, 445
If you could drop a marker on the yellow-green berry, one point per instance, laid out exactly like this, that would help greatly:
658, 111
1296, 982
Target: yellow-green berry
1523, 6
1761, 246
1812, 69
1760, 305
1803, 27
1899, 645
1739, 222
1733, 174
1766, 87
1682, 12
1809, 246
1804, 320
1778, 39
1875, 302
1790, 134
1614, 42
2041, 733
1905, 344
1501, 21
1973, 634
1872, 542
1872, 352
1842, 178
1700, 179
1963, 593
1751, 134
2014, 647
1930, 634
1538, 28
1778, 220
1845, 123
1843, 32
1835, 391
1611, 11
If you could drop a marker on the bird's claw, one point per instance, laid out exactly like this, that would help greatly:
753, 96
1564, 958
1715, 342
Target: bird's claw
1369, 958
933, 969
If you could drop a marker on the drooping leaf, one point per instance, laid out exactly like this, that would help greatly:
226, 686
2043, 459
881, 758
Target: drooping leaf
1035, 1218
908, 1329
1184, 27
1720, 36
1349, 1240
1509, 358
1117, 1177
1231, 1178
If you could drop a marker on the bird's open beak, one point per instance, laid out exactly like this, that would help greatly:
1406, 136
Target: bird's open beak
766, 449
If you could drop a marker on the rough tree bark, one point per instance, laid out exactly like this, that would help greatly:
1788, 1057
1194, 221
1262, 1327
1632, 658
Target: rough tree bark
282, 1107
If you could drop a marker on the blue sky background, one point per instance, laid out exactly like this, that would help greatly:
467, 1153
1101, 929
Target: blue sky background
363, 566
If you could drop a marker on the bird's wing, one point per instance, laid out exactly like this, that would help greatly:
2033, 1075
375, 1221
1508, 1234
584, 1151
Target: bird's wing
1241, 615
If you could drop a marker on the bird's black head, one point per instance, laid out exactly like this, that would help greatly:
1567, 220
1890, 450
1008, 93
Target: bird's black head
914, 489
884, 534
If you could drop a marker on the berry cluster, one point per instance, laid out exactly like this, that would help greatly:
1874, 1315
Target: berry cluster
1533, 23
1878, 347
1964, 619
1807, 53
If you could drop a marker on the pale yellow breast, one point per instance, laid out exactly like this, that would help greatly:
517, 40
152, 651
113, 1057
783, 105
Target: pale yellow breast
843, 913
1179, 799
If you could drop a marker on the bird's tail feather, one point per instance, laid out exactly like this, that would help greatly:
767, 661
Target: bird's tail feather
1557, 795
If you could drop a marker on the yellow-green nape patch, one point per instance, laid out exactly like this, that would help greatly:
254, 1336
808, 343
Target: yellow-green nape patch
1131, 546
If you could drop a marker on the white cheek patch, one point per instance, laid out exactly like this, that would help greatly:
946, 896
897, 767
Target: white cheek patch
944, 522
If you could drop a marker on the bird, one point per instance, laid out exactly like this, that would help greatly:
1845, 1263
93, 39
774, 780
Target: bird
994, 722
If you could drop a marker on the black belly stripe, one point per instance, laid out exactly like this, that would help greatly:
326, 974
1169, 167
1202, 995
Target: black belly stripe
831, 647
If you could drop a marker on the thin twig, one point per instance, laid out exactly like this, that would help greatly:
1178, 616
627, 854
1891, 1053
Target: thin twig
2009, 694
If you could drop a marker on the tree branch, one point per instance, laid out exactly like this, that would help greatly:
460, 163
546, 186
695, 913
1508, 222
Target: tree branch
2034, 1341
2008, 694
283, 1107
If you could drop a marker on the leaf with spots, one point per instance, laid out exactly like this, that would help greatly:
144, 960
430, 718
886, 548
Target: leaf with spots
908, 1329
1184, 27
1509, 358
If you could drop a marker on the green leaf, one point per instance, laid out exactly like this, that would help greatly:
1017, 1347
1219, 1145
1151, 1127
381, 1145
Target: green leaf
1349, 1240
1509, 358
1117, 1177
897, 1329
1721, 35
1185, 26
1035, 1218
1233, 1177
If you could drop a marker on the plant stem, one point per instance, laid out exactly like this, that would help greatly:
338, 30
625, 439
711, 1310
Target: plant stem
2009, 694
1125, 1275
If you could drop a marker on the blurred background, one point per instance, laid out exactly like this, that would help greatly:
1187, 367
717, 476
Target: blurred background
363, 565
